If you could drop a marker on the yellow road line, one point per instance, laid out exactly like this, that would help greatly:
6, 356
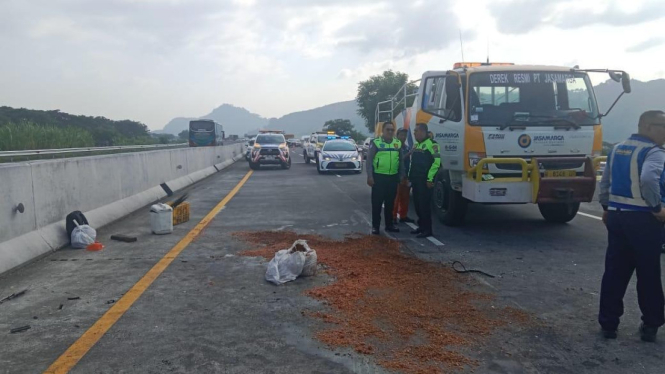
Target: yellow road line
76, 351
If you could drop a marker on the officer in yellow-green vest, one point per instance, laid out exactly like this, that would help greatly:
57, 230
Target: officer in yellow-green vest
425, 163
385, 171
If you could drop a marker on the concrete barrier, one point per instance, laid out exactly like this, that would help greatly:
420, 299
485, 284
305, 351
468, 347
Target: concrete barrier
105, 188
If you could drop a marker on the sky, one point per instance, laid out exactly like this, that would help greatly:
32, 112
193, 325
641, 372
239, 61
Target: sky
153, 60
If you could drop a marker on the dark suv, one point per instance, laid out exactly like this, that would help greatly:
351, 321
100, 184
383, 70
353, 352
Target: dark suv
270, 149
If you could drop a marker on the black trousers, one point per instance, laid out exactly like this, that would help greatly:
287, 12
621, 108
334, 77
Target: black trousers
422, 199
634, 242
383, 193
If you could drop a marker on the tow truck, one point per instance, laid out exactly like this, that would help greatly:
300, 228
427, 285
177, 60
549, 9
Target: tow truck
508, 134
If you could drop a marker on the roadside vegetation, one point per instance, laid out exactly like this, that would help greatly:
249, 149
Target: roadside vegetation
27, 135
24, 129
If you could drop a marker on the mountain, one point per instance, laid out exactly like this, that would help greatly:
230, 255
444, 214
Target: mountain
622, 121
236, 121
239, 121
308, 121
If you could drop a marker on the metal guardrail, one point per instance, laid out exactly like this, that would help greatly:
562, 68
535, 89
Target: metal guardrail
40, 152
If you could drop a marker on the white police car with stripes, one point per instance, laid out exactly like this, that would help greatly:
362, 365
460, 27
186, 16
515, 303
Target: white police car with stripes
339, 155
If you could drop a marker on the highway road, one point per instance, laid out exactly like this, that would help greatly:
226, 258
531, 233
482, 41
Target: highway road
206, 309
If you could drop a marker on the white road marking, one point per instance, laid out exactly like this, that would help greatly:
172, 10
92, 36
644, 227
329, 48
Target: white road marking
590, 216
432, 239
338, 176
435, 241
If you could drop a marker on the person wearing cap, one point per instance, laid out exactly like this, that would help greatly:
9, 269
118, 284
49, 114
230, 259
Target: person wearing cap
384, 171
425, 163
403, 189
631, 198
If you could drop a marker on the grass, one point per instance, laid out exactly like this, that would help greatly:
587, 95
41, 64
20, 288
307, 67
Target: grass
28, 135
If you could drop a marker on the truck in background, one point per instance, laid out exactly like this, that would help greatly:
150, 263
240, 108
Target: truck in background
508, 134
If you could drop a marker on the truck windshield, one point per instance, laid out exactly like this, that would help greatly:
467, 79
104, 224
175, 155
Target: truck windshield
527, 98
270, 139
201, 126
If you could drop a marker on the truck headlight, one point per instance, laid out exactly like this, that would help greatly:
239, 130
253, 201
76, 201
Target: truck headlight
475, 157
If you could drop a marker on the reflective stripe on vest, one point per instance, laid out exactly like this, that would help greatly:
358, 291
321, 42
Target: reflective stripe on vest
386, 158
626, 163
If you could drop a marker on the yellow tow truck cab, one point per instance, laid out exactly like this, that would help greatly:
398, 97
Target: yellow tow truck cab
508, 134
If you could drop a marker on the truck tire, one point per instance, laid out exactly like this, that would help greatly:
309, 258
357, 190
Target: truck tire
287, 165
304, 154
449, 205
254, 166
559, 212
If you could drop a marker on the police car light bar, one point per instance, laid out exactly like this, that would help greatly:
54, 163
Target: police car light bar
346, 137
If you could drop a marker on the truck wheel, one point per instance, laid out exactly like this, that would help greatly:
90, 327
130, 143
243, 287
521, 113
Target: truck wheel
304, 154
287, 165
254, 166
450, 206
559, 212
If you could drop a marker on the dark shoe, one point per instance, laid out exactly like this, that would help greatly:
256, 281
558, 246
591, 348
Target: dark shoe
376, 232
648, 333
406, 220
609, 334
416, 231
392, 229
424, 235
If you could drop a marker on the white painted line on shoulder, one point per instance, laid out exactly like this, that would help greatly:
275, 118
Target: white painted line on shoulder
412, 225
590, 216
435, 241
338, 176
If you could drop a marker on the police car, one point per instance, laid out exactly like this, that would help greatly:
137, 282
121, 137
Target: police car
338, 155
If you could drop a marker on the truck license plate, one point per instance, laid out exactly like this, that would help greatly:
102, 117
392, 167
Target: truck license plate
560, 173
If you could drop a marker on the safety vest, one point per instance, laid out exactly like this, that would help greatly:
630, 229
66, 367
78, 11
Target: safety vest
625, 163
386, 159
425, 160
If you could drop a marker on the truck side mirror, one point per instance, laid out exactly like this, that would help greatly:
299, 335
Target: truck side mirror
625, 82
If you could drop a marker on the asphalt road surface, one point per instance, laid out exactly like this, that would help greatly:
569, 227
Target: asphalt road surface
211, 311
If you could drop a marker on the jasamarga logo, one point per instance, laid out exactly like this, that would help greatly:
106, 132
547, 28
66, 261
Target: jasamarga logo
549, 139
450, 135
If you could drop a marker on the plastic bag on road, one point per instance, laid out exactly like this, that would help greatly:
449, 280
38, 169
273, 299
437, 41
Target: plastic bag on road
285, 266
83, 236
290, 263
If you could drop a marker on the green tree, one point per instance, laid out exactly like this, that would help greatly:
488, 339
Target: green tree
380, 88
343, 127
184, 135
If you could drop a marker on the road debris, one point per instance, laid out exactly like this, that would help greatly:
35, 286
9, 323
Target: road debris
13, 296
74, 298
19, 329
412, 316
60, 307
124, 238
